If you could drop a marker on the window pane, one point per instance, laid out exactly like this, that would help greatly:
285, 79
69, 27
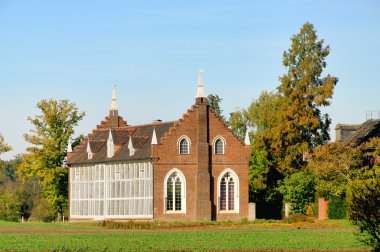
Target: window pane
169, 195
219, 147
231, 195
223, 194
184, 147
178, 194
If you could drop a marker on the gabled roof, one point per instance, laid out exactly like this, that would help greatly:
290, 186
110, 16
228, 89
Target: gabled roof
141, 138
369, 129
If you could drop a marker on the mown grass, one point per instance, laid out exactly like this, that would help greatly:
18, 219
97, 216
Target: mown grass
228, 236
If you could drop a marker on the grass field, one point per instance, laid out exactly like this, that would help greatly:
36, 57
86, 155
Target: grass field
329, 235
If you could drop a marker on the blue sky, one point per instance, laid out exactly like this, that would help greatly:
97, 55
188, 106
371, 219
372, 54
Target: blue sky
152, 50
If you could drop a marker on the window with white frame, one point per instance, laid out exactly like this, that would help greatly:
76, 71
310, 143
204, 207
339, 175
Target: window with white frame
228, 191
184, 145
175, 193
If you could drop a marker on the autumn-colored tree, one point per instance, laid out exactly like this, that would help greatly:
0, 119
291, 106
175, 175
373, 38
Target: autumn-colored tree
304, 92
49, 138
288, 123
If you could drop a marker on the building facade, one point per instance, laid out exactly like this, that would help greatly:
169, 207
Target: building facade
193, 168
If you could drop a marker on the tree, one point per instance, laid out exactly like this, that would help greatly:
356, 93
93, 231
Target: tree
304, 91
363, 194
49, 138
213, 100
334, 166
288, 122
299, 190
9, 207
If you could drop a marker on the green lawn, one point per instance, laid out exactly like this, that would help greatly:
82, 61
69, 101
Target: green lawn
90, 236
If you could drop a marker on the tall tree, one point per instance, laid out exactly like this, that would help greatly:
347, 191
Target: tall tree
49, 138
304, 91
213, 100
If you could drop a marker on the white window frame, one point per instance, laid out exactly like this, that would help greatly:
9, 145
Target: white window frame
179, 144
214, 144
183, 191
236, 191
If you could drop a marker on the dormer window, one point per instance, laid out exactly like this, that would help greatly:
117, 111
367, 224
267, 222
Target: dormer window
184, 145
110, 146
89, 152
219, 145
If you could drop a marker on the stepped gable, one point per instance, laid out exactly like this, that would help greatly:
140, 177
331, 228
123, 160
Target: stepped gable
369, 129
227, 126
141, 141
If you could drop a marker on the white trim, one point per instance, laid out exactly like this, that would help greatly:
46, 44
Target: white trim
183, 191
214, 146
188, 142
236, 191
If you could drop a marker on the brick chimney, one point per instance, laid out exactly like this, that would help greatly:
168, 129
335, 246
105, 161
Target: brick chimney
203, 200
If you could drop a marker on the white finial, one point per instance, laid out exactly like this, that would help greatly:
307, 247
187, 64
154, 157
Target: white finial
200, 92
113, 102
154, 137
69, 147
130, 147
246, 139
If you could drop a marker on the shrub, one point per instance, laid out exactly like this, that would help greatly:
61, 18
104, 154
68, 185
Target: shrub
9, 207
337, 208
299, 190
363, 201
42, 211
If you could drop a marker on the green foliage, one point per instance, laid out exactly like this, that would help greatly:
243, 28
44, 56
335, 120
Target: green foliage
42, 211
44, 160
9, 207
299, 190
337, 208
238, 123
364, 205
334, 165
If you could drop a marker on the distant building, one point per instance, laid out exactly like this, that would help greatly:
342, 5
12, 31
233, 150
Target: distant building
193, 168
357, 133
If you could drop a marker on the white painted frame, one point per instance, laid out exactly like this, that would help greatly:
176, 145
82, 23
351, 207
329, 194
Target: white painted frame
214, 144
188, 142
183, 191
236, 191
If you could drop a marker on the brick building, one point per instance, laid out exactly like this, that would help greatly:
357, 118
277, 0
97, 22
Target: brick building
194, 168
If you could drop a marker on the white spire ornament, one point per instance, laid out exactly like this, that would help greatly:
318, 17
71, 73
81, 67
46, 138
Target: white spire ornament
69, 147
113, 102
200, 92
247, 141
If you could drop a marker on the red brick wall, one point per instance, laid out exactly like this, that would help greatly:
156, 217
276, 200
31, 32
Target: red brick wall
201, 167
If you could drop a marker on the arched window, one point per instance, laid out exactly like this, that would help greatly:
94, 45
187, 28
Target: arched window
175, 194
184, 145
219, 147
228, 191
219, 144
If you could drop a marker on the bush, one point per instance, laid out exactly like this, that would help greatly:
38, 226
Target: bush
299, 190
363, 201
337, 208
9, 207
42, 211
